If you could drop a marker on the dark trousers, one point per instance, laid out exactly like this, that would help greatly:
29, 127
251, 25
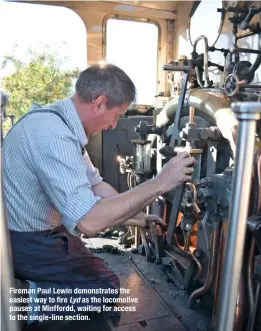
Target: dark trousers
58, 260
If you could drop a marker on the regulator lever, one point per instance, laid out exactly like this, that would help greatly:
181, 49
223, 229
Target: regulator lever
175, 136
174, 141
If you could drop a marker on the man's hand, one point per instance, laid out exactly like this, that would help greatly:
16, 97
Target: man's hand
175, 172
154, 223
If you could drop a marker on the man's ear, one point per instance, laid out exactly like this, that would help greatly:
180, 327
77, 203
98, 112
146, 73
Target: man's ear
99, 104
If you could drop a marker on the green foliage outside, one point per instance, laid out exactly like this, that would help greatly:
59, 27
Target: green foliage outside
41, 80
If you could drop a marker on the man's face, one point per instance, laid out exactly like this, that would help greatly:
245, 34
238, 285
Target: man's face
103, 118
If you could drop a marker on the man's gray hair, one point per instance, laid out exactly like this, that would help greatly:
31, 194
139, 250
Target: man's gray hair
108, 80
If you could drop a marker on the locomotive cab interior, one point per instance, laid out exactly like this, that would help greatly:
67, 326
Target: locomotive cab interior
206, 61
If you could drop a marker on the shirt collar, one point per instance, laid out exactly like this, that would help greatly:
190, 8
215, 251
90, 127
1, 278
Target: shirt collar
67, 109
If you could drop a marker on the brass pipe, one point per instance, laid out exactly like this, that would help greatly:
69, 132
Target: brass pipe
187, 240
211, 266
191, 115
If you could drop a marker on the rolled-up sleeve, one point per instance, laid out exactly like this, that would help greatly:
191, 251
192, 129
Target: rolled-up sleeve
62, 173
91, 171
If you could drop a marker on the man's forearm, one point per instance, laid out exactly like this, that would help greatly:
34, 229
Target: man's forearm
105, 190
117, 209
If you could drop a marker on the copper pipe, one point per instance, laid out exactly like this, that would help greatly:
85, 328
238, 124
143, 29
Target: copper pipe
164, 216
250, 285
211, 266
200, 269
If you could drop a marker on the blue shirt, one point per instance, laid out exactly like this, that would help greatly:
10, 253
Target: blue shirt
47, 181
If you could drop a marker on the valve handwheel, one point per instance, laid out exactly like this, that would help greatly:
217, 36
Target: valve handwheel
231, 85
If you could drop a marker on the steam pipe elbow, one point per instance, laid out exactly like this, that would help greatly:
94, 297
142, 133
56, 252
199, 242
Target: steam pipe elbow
250, 71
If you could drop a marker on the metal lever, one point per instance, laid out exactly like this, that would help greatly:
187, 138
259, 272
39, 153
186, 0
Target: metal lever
178, 193
175, 137
170, 67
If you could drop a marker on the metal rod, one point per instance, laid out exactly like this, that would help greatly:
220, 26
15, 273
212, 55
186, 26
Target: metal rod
137, 237
205, 60
246, 50
247, 113
246, 35
146, 245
